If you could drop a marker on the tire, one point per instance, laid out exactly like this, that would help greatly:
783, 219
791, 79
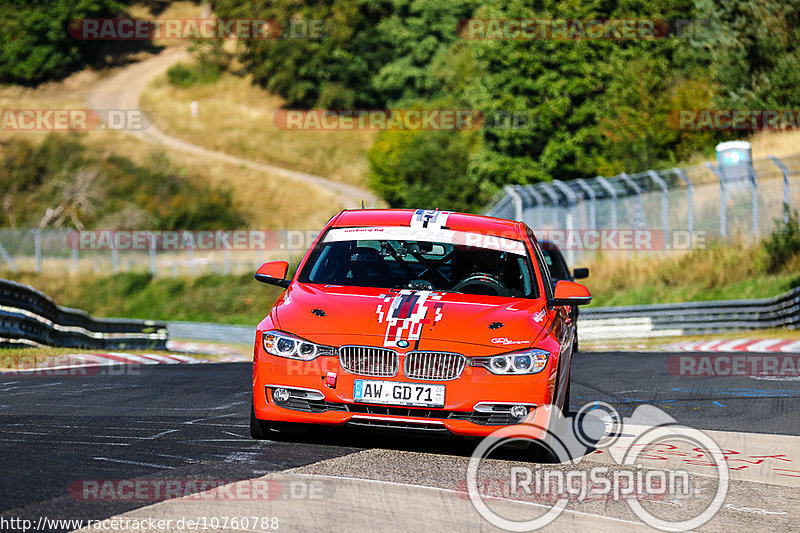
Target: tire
259, 429
565, 407
266, 430
575, 341
539, 452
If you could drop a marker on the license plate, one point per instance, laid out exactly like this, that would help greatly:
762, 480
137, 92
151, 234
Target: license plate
396, 393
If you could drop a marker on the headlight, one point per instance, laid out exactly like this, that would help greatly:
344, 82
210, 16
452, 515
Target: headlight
524, 362
285, 345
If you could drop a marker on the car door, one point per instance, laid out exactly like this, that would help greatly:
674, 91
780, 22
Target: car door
562, 325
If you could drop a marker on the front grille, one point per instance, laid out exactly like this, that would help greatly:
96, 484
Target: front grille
366, 361
434, 365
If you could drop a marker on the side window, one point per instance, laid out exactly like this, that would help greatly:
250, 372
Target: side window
543, 268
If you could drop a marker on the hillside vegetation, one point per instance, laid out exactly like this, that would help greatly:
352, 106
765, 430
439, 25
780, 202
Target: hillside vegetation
240, 115
262, 199
60, 183
589, 106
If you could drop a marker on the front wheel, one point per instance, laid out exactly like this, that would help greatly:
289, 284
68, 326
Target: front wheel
264, 429
259, 429
541, 451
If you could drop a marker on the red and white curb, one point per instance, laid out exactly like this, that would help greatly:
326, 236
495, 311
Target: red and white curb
87, 360
738, 345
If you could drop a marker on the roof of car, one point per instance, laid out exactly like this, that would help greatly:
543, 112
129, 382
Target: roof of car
403, 217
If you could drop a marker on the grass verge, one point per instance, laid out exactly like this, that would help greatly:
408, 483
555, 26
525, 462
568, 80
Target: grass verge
719, 272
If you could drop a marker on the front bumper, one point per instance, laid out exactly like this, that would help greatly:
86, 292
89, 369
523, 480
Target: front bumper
476, 403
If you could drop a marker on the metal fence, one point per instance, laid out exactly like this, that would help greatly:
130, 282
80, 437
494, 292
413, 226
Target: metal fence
685, 205
57, 252
678, 208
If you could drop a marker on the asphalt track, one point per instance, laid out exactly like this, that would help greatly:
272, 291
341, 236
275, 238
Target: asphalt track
183, 422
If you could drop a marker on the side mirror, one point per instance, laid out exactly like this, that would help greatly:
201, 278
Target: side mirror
580, 273
273, 273
570, 293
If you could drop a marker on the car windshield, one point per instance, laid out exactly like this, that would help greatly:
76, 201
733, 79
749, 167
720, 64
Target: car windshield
403, 258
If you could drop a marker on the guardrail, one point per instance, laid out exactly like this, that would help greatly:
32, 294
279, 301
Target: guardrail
691, 318
29, 317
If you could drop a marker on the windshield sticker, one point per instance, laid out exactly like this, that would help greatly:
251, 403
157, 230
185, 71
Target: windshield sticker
406, 312
444, 236
427, 219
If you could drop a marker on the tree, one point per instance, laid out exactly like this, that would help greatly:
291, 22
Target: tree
37, 45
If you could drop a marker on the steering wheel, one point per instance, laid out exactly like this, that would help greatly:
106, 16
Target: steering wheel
482, 282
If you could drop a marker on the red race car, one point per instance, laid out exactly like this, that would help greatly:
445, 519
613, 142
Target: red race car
414, 320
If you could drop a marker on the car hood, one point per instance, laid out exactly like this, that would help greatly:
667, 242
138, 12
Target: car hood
425, 319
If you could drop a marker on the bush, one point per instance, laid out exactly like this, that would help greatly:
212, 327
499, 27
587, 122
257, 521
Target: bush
184, 76
37, 45
426, 169
783, 243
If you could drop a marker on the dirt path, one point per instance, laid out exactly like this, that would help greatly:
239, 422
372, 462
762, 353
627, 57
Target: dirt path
122, 91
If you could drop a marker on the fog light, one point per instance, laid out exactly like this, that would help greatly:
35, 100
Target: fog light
518, 411
280, 395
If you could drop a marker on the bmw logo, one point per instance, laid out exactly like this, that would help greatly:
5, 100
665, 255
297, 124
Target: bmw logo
402, 344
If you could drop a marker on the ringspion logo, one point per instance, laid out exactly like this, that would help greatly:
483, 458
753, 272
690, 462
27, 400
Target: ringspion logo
627, 478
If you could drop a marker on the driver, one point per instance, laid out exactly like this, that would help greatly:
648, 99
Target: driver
469, 262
